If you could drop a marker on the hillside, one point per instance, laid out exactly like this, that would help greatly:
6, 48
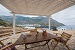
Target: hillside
4, 23
34, 20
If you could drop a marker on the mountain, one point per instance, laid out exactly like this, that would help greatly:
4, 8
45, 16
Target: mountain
20, 20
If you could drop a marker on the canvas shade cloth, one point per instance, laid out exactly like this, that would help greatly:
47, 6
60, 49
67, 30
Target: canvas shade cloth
36, 7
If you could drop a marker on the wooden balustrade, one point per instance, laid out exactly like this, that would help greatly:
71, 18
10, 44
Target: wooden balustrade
8, 31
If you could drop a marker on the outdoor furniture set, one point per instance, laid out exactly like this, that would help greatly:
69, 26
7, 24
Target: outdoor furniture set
38, 37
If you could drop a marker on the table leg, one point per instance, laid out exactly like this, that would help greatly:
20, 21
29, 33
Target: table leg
46, 42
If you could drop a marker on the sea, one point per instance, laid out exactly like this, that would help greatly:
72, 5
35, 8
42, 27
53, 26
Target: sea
67, 27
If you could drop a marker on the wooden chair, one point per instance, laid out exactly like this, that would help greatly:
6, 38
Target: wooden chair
33, 31
63, 39
3, 40
6, 47
9, 45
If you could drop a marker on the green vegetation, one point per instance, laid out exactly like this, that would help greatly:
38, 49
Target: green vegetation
54, 29
4, 23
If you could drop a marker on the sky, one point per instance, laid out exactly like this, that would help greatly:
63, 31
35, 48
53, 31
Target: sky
66, 16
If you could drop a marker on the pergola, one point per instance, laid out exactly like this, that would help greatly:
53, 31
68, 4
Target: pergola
36, 7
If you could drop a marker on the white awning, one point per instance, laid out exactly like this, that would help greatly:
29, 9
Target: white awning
36, 7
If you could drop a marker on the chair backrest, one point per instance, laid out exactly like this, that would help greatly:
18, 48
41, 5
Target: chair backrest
3, 40
8, 47
66, 36
33, 30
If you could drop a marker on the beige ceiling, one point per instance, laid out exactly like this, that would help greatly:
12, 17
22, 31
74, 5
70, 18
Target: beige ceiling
36, 7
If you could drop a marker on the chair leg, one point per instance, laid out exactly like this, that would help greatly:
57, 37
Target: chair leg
55, 45
67, 47
48, 46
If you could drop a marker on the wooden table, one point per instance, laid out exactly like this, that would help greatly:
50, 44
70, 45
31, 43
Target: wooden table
23, 39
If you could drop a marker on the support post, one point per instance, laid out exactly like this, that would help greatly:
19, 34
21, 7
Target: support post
14, 18
49, 22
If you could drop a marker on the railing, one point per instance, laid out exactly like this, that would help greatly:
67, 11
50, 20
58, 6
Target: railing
9, 31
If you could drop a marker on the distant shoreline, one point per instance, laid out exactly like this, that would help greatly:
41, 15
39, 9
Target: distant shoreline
67, 27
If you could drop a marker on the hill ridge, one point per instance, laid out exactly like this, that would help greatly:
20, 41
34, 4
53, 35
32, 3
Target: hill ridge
34, 20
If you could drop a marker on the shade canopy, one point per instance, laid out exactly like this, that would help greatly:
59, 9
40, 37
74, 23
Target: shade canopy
36, 7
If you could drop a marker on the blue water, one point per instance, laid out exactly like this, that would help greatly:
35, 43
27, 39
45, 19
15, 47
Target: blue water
68, 27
